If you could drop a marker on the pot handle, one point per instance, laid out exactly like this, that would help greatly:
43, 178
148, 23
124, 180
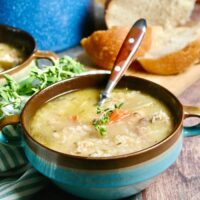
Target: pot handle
15, 119
191, 111
42, 54
10, 120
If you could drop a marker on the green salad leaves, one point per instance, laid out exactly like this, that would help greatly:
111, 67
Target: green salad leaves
13, 95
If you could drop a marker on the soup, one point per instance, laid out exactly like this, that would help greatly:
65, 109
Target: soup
129, 121
10, 56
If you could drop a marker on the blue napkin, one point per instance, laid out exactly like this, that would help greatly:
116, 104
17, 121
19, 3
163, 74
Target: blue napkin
18, 180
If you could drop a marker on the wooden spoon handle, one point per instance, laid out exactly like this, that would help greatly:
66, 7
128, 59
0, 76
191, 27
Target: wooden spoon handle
125, 56
128, 49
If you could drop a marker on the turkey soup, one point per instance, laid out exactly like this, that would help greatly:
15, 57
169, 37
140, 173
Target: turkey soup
10, 56
129, 121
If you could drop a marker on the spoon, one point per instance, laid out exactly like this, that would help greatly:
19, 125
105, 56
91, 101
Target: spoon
125, 57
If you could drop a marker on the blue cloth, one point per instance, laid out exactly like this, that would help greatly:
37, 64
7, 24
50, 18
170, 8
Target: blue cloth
18, 180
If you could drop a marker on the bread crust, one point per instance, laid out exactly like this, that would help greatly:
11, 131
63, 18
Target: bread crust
103, 46
175, 62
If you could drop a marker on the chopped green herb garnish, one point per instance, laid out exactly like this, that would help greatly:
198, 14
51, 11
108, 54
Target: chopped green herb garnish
118, 106
100, 123
38, 79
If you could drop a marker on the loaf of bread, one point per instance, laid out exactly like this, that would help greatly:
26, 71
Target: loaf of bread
171, 45
163, 51
166, 13
173, 50
103, 46
100, 1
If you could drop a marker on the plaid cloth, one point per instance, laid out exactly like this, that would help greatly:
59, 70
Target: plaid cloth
18, 180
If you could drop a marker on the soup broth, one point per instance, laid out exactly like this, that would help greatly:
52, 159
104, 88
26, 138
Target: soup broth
65, 124
10, 56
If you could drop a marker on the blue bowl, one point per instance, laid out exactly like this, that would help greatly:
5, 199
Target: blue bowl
103, 178
55, 24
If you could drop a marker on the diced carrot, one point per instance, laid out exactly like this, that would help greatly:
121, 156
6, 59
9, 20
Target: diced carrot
118, 114
74, 118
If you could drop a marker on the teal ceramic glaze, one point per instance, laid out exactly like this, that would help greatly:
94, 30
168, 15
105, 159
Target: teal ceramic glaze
192, 131
111, 184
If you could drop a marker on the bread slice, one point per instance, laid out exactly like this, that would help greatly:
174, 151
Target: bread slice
173, 50
103, 46
166, 13
102, 2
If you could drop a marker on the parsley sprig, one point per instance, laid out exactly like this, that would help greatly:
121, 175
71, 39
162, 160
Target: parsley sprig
13, 95
100, 123
38, 79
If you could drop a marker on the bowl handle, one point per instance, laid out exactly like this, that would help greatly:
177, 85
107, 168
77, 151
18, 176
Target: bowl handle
42, 54
191, 111
10, 120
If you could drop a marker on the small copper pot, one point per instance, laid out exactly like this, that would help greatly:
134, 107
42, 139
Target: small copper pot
26, 43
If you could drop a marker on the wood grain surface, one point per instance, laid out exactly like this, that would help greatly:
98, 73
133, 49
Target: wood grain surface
174, 83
